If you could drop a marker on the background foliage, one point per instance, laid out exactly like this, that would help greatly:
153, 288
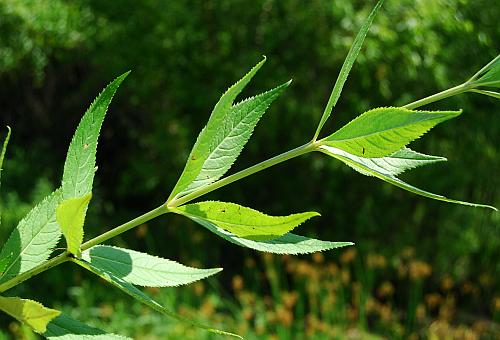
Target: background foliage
419, 267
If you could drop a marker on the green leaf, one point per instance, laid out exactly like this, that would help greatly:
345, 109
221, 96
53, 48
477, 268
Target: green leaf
4, 262
4, 150
286, 244
244, 222
214, 131
70, 215
143, 269
346, 67
143, 298
399, 161
487, 93
2, 156
79, 168
368, 168
228, 141
32, 313
491, 74
383, 131
65, 328
34, 238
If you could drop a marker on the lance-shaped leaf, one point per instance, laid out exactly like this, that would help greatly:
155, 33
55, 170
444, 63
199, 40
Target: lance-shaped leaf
286, 244
346, 67
398, 162
369, 168
244, 222
4, 150
383, 131
79, 168
70, 215
224, 136
4, 262
230, 138
34, 238
143, 298
142, 269
65, 328
490, 74
32, 313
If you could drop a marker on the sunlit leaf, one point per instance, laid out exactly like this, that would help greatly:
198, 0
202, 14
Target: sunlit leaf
70, 215
346, 67
143, 298
32, 313
224, 136
244, 222
368, 168
398, 162
286, 244
34, 238
143, 269
79, 168
225, 145
383, 131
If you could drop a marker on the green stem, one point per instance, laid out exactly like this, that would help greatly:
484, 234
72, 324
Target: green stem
439, 96
97, 240
125, 227
306, 148
484, 69
61, 258
163, 209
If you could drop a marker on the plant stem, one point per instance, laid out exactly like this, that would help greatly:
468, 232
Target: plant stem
439, 96
165, 208
61, 258
306, 148
125, 227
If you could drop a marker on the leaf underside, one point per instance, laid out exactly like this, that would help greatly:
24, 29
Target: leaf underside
30, 312
34, 238
368, 167
143, 298
383, 131
286, 244
347, 66
70, 216
244, 222
143, 269
65, 328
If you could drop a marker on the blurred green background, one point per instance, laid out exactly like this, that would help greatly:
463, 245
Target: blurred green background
420, 268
